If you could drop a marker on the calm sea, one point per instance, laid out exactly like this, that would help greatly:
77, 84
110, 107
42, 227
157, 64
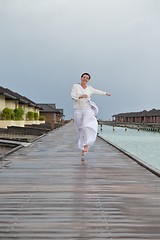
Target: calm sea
142, 144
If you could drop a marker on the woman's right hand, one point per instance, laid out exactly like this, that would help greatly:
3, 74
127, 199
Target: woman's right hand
83, 96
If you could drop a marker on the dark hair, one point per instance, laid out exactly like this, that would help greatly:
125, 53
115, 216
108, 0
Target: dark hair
86, 74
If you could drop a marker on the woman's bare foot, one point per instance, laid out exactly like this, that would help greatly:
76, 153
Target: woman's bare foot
85, 148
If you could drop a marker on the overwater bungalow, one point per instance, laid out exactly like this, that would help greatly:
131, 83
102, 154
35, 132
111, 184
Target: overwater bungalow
152, 116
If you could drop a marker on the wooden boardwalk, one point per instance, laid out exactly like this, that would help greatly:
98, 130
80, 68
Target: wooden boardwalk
47, 193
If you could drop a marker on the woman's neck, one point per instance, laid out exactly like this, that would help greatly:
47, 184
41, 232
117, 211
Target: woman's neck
84, 85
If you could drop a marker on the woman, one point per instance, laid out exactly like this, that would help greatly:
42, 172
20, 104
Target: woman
84, 112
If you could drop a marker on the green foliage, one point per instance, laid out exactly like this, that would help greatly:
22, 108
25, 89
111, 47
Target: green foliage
41, 118
7, 114
18, 112
36, 116
30, 115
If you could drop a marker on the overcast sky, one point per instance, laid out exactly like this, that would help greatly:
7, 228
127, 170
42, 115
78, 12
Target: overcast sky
45, 46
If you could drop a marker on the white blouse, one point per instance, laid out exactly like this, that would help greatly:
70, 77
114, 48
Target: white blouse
83, 103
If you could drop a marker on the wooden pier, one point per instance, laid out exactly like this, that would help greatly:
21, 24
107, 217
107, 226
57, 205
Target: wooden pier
46, 192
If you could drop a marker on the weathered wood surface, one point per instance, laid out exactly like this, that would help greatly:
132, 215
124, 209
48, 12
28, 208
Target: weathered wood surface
47, 193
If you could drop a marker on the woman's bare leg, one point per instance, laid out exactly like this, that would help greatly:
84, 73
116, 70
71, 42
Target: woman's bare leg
86, 148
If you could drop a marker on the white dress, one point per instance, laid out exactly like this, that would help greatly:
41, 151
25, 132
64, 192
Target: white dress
85, 112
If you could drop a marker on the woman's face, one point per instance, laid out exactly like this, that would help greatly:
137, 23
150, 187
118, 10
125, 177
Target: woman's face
85, 78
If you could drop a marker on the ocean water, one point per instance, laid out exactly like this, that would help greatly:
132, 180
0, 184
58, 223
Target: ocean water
142, 144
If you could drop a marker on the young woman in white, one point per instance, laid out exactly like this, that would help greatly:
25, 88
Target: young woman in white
84, 112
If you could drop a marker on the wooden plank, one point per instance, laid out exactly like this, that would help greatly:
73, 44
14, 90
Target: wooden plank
46, 192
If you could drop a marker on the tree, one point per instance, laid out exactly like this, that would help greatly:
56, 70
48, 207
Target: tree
18, 112
7, 114
30, 115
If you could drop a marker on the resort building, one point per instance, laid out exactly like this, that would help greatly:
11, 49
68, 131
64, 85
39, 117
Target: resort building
11, 100
51, 113
152, 116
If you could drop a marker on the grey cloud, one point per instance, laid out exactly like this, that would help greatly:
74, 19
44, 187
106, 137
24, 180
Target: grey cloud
50, 43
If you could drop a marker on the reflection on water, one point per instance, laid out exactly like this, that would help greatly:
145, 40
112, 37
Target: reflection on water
143, 144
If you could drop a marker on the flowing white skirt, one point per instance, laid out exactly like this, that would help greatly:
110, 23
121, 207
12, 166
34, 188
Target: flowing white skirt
87, 127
